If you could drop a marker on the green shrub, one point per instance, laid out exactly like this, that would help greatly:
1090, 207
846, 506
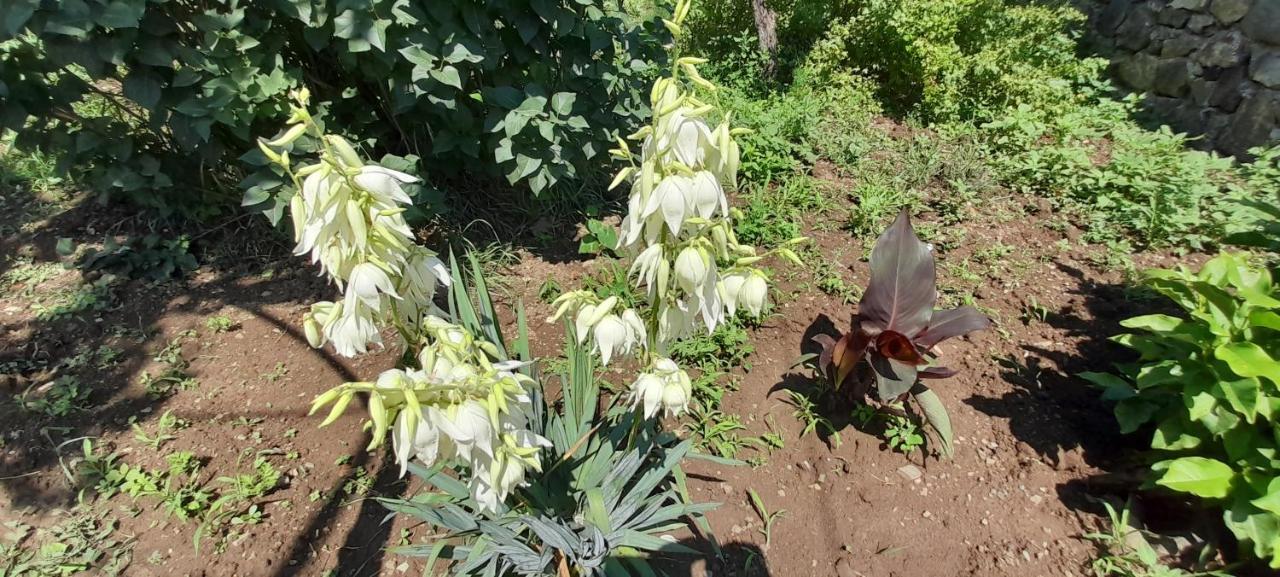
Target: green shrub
158, 98
1129, 181
1209, 382
948, 60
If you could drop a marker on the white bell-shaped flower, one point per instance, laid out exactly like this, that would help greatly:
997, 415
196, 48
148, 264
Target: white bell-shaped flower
706, 195
469, 426
692, 269
367, 285
671, 199
664, 387
384, 184
754, 296
731, 289
611, 335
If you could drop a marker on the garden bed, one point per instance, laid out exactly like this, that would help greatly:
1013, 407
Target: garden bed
1035, 448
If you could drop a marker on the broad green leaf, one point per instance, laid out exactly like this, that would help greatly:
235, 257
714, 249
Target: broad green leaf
1261, 528
1132, 413
1161, 373
122, 13
1105, 380
1249, 360
1199, 404
562, 102
142, 87
1242, 395
1271, 501
1154, 323
534, 104
1266, 319
1172, 435
936, 414
448, 76
1199, 476
15, 13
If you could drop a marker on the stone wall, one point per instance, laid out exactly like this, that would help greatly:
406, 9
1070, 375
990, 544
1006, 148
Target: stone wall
1208, 67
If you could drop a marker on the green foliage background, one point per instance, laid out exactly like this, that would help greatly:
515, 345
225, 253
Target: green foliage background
158, 98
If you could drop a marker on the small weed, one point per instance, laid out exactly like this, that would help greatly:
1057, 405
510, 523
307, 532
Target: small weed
1032, 310
360, 483
87, 297
165, 426
902, 434
220, 324
276, 374
765, 516
83, 544
874, 203
58, 398
600, 238
549, 291
807, 413
1125, 552
612, 281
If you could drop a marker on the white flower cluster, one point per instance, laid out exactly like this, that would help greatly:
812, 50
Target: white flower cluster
678, 222
679, 229
463, 404
460, 403
348, 216
664, 386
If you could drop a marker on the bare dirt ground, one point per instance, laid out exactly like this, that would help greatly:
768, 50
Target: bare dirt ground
1035, 448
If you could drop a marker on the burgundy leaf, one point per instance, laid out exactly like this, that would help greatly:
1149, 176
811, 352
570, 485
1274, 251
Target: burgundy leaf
828, 345
903, 286
936, 373
898, 347
952, 323
893, 378
847, 353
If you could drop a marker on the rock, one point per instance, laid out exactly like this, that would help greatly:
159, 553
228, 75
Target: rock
1179, 44
1229, 91
910, 472
1192, 5
1135, 33
1225, 49
1172, 77
1173, 17
1265, 69
1229, 11
1111, 17
1216, 123
1263, 22
1252, 124
845, 569
1201, 90
1198, 22
1138, 70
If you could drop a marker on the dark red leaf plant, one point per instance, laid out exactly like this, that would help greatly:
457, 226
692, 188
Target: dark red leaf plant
897, 329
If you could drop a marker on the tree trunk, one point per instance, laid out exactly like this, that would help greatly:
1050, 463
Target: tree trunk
767, 33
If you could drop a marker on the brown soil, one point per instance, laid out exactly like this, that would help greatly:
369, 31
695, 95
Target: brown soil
1035, 448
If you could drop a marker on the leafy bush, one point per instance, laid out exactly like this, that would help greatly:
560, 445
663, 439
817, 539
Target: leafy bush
1130, 180
1209, 382
149, 94
948, 60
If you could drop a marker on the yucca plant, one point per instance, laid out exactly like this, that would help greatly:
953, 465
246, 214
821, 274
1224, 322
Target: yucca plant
610, 491
897, 329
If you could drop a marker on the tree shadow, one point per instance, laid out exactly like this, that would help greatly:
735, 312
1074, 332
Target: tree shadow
732, 559
1061, 416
